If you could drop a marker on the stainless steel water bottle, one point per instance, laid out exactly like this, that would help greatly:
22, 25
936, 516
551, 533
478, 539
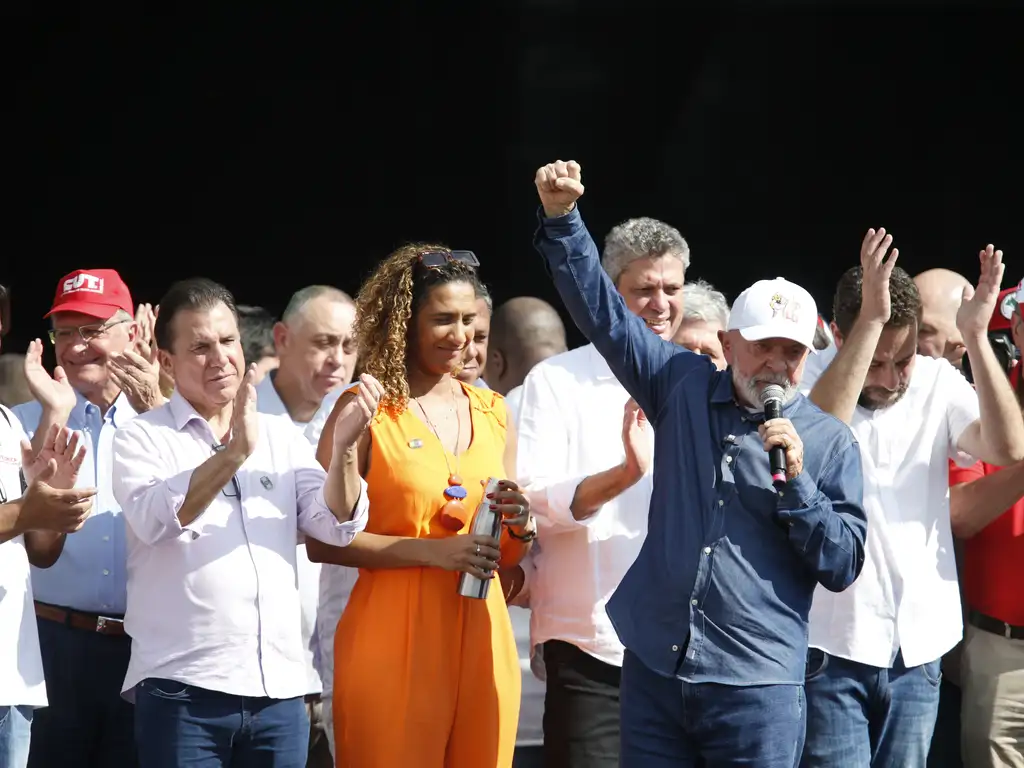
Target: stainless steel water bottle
486, 522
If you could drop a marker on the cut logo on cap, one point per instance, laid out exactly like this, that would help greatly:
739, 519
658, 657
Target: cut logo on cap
82, 283
1008, 305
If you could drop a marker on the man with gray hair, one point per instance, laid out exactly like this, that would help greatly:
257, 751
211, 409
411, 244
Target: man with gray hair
705, 316
584, 457
315, 344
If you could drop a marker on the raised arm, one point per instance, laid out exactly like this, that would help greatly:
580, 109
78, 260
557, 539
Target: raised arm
839, 387
638, 358
997, 437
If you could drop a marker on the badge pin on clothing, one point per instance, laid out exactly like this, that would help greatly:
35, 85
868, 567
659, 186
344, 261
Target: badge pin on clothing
266, 482
415, 443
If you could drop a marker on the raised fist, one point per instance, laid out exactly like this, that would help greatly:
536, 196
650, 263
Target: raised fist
559, 185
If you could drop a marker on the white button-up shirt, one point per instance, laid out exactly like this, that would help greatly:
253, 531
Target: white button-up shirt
570, 427
21, 666
907, 596
269, 401
215, 603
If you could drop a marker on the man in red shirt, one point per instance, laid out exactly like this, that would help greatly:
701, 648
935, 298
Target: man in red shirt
987, 512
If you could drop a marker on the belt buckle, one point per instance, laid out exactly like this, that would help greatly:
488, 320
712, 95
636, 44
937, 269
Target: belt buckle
103, 621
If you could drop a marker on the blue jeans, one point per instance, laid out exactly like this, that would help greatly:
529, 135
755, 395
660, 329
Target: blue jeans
860, 716
178, 724
15, 733
668, 723
84, 673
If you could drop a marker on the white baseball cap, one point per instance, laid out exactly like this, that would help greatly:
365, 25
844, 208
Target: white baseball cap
775, 309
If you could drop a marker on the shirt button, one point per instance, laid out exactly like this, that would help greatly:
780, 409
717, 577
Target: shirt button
106, 572
675, 649
106, 538
707, 550
693, 602
721, 503
728, 459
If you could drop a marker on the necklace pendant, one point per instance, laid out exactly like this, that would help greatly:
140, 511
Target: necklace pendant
455, 492
454, 479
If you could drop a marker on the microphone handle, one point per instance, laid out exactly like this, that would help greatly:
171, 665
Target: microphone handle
777, 455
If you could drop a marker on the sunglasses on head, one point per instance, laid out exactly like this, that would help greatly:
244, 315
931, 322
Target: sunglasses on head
437, 259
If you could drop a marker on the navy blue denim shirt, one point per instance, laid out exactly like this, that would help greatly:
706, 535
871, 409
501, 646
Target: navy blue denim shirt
729, 566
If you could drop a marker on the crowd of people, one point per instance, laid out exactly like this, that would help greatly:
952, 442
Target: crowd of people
743, 535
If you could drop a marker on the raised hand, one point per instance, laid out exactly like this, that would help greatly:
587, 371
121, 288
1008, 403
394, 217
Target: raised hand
138, 378
875, 304
559, 185
53, 392
245, 425
46, 508
356, 414
635, 440
979, 303
63, 448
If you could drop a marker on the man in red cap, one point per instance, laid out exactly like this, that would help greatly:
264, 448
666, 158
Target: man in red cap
99, 385
987, 512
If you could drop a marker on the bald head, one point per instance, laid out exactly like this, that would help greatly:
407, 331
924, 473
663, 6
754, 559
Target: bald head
524, 331
941, 291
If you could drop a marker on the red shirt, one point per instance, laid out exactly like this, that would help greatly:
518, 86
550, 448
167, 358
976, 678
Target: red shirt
993, 563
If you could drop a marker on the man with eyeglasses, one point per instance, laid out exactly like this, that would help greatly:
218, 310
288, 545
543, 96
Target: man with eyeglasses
215, 495
80, 601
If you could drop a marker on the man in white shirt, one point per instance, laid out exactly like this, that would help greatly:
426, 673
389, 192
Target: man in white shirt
215, 495
316, 348
584, 458
873, 667
32, 527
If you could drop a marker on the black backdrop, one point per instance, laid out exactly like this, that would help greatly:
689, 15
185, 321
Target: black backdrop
274, 151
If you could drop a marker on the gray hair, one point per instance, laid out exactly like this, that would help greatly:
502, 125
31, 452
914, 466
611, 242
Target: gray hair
483, 293
702, 302
305, 295
640, 239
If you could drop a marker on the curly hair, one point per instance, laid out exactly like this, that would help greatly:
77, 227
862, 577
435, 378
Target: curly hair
385, 307
904, 299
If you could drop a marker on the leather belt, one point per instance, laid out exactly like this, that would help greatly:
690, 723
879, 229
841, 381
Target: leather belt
995, 626
90, 622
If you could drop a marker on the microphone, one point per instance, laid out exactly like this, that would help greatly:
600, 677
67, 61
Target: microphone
771, 398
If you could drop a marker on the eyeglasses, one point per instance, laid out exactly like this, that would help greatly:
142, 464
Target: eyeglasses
236, 490
3, 493
86, 332
437, 259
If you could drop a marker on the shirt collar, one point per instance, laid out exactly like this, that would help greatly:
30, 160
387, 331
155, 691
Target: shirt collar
269, 400
182, 411
119, 413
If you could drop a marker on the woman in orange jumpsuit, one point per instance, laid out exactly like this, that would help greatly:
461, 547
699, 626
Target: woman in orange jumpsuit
424, 677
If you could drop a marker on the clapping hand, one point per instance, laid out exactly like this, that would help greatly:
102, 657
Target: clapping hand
979, 303
356, 414
53, 392
52, 502
139, 379
876, 270
245, 425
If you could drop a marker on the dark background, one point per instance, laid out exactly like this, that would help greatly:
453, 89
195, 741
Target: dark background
273, 151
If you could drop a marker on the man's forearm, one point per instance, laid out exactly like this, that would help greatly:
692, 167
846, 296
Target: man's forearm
1002, 428
11, 522
973, 505
838, 389
208, 479
343, 487
597, 490
44, 547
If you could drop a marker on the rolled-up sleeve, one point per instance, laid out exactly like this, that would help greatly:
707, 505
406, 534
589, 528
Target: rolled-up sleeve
150, 499
543, 455
315, 518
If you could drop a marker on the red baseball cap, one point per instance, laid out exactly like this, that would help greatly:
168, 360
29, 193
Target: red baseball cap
95, 292
1009, 302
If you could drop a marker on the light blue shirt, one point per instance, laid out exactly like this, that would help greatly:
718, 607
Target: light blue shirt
91, 574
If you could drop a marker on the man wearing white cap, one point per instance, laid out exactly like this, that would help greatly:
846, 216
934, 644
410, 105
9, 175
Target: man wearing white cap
713, 612
873, 667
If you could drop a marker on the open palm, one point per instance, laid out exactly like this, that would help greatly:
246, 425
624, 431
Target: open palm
51, 391
977, 305
63, 448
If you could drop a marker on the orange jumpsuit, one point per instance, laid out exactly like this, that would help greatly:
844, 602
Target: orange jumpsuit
425, 678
